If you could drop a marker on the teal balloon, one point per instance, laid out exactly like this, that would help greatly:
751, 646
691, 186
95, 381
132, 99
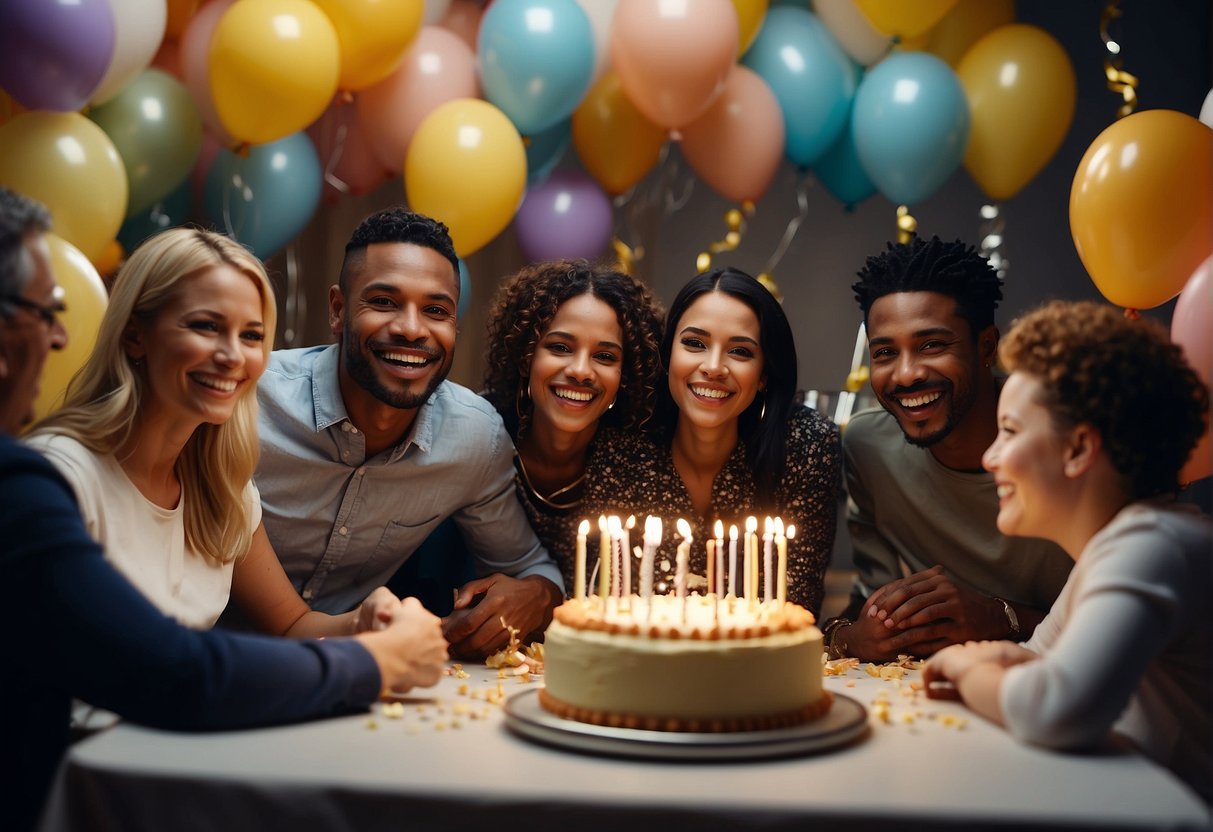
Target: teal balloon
840, 170
545, 150
811, 76
536, 60
170, 212
266, 198
465, 289
911, 125
156, 129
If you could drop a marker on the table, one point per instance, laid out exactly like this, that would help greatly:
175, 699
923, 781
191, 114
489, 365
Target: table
450, 763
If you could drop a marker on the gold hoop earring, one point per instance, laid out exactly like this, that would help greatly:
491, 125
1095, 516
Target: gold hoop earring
612, 404
762, 414
520, 396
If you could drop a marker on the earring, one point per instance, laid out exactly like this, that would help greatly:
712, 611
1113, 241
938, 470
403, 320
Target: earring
612, 404
520, 396
762, 414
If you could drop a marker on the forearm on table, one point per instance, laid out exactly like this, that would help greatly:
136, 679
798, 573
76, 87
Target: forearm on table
980, 687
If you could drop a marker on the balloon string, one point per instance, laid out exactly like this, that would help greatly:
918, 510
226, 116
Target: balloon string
296, 299
330, 177
1119, 81
1132, 314
802, 203
993, 226
735, 220
907, 226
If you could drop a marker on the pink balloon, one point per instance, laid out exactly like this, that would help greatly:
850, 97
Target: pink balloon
463, 18
168, 58
195, 60
737, 145
438, 67
346, 157
1192, 329
672, 58
211, 145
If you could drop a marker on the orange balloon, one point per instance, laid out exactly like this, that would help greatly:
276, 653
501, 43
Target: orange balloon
962, 27
110, 259
179, 14
904, 19
373, 35
1141, 206
615, 142
9, 108
1021, 90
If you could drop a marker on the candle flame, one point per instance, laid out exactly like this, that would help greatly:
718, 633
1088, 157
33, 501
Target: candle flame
779, 527
719, 530
751, 524
584, 528
631, 524
614, 526
602, 523
733, 532
768, 526
791, 532
684, 529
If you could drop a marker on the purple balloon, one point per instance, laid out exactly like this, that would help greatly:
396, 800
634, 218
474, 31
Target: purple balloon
566, 216
54, 53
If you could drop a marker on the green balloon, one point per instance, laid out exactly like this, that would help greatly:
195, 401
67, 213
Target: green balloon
157, 131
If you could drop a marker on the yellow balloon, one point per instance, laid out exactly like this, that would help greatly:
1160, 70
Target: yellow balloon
69, 164
1021, 90
1141, 206
615, 142
964, 26
750, 14
9, 108
85, 297
373, 35
903, 19
273, 68
466, 166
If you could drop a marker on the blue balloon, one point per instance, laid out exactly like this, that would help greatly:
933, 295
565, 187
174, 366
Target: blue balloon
812, 78
544, 151
266, 198
465, 289
911, 125
840, 170
170, 212
536, 60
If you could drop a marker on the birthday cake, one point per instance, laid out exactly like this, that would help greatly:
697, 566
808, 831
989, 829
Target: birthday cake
672, 664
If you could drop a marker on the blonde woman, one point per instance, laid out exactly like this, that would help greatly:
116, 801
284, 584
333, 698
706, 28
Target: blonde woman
158, 438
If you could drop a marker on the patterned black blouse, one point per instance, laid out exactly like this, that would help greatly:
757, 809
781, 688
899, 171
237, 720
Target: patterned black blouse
630, 474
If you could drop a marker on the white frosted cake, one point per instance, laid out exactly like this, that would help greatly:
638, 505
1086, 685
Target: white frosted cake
702, 666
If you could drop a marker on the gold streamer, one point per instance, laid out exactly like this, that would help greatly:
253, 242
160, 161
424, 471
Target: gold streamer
626, 255
1119, 81
907, 226
735, 219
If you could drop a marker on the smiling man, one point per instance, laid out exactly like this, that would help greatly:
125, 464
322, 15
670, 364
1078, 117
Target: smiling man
932, 568
367, 447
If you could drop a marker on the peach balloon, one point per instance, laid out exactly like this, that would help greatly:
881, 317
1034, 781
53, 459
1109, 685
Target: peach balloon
671, 58
462, 18
438, 67
195, 59
1192, 329
615, 142
345, 155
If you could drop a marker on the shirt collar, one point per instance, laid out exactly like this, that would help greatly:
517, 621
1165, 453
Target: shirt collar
326, 391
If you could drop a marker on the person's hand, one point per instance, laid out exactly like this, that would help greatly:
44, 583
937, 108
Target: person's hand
951, 612
411, 651
474, 629
942, 674
376, 611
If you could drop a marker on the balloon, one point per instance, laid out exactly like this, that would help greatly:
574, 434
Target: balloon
567, 216
170, 212
1021, 90
544, 151
438, 67
904, 20
9, 108
840, 170
266, 198
465, 290
109, 261
195, 65
85, 297
67, 163
179, 14
373, 35
53, 55
672, 59
911, 124
434, 11
168, 59
157, 132
1192, 329
273, 68
962, 27
600, 14
138, 31
1141, 206
750, 14
1206, 110
346, 156
811, 77
462, 19
616, 144
536, 60
466, 167
736, 146
854, 33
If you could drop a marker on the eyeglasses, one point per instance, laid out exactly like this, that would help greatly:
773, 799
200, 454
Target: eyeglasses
48, 313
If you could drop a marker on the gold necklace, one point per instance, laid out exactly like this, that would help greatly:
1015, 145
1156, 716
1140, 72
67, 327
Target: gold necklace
550, 499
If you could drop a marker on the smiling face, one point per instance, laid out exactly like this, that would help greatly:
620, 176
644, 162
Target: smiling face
1028, 461
925, 362
577, 367
716, 364
204, 349
396, 325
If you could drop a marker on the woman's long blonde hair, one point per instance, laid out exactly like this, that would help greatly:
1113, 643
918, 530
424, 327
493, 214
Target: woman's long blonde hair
103, 400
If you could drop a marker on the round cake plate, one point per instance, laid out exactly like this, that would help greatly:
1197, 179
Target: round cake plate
845, 721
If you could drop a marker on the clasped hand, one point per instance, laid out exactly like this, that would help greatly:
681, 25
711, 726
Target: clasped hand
474, 629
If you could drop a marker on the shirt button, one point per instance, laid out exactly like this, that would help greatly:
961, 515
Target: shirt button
361, 471
345, 454
307, 595
343, 531
353, 429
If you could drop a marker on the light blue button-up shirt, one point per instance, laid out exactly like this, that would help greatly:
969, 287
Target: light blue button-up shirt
342, 524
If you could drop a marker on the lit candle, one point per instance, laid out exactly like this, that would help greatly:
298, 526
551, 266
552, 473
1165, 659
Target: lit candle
604, 559
711, 564
861, 341
733, 560
791, 532
751, 557
615, 528
652, 539
781, 546
768, 585
579, 563
627, 555
719, 587
682, 559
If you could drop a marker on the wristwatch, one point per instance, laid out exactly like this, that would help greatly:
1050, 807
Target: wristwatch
1012, 619
831, 631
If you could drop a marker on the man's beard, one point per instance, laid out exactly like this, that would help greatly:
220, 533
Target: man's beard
359, 368
960, 402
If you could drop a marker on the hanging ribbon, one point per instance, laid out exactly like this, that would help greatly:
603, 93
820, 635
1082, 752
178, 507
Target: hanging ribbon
907, 226
991, 231
766, 278
1119, 81
735, 219
296, 300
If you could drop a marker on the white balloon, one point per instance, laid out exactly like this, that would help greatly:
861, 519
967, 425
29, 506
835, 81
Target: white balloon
138, 30
600, 13
1206, 110
434, 10
858, 38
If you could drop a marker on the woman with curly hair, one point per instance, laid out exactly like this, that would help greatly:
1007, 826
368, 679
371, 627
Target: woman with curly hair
572, 352
1095, 423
